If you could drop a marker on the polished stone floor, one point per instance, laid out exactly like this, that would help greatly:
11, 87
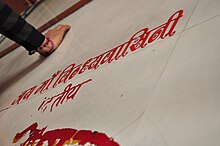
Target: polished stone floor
163, 94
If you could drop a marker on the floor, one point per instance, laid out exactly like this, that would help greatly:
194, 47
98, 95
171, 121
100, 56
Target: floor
163, 91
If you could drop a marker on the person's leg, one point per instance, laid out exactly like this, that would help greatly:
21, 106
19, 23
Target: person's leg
17, 29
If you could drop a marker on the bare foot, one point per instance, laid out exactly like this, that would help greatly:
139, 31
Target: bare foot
56, 35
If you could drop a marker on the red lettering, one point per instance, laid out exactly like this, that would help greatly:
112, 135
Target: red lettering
69, 92
24, 96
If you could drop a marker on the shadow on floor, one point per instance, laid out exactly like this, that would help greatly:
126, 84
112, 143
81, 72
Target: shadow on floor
5, 84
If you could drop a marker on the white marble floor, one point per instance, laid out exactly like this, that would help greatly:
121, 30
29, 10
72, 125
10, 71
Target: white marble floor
165, 94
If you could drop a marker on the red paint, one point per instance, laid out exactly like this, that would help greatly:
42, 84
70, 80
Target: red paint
46, 84
24, 96
59, 137
71, 70
138, 41
27, 93
68, 93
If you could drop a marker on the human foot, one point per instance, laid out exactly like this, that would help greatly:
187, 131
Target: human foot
53, 39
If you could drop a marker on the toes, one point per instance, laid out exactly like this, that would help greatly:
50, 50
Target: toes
63, 27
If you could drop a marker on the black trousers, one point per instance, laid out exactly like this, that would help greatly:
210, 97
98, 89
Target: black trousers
13, 26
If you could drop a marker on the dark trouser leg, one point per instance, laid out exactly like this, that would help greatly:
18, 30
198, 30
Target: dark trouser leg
17, 29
